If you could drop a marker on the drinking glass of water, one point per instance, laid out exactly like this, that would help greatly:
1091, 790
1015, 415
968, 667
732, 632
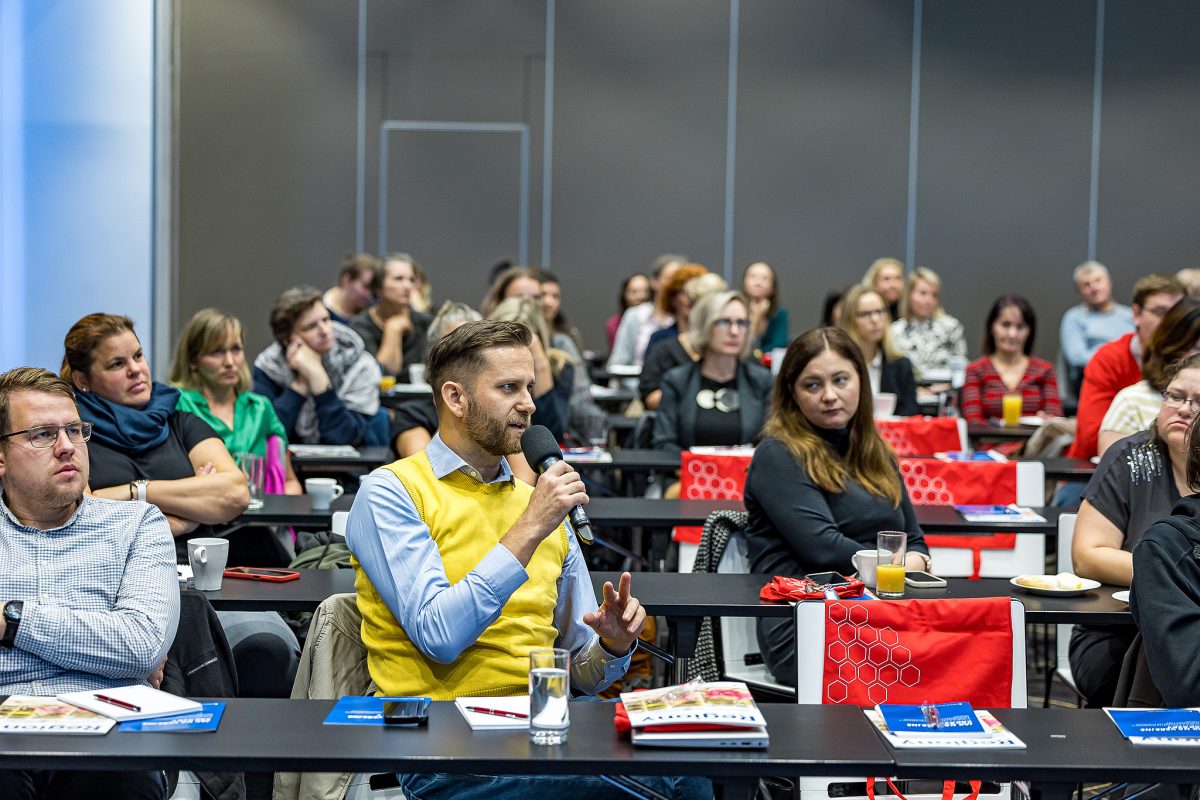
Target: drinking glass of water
253, 467
549, 694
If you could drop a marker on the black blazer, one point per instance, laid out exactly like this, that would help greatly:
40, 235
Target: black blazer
675, 425
897, 377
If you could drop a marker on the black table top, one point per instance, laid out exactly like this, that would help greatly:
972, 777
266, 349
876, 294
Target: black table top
688, 596
293, 509
1068, 469
368, 458
265, 735
976, 430
632, 460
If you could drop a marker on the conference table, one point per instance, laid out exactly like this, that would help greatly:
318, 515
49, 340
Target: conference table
367, 459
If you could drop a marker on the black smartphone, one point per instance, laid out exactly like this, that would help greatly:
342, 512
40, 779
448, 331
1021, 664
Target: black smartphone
406, 711
828, 578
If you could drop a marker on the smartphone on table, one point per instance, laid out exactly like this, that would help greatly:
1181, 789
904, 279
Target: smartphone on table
923, 580
828, 578
406, 711
262, 574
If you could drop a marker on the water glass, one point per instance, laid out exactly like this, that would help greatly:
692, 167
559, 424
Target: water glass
892, 547
253, 467
549, 695
595, 428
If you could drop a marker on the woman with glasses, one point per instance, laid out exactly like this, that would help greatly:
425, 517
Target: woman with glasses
1008, 368
722, 398
866, 319
1135, 407
1139, 480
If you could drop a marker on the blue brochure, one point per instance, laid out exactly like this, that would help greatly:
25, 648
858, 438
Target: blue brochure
206, 719
956, 719
361, 710
1157, 725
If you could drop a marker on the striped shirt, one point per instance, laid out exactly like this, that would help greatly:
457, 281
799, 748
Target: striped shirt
1133, 409
984, 390
101, 598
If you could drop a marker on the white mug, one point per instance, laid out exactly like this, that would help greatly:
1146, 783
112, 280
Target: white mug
323, 491
208, 558
885, 405
416, 374
865, 562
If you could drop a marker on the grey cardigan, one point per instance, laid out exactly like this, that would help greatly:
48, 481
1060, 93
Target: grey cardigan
675, 425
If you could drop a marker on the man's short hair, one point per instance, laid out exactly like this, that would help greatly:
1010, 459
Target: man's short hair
288, 308
354, 265
1085, 268
1156, 284
28, 379
459, 356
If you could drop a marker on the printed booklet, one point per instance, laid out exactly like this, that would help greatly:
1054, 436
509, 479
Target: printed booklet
1008, 513
1169, 727
24, 714
935, 719
696, 714
206, 720
996, 736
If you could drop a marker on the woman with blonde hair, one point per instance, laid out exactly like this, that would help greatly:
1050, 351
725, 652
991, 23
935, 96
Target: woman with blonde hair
842, 481
886, 276
865, 319
925, 333
213, 379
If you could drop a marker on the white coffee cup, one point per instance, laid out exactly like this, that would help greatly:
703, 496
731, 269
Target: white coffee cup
323, 491
885, 404
208, 558
416, 374
864, 563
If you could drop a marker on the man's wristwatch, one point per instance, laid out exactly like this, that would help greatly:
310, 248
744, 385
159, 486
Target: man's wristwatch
12, 620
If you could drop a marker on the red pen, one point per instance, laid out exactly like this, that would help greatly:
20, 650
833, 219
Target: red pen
495, 712
112, 701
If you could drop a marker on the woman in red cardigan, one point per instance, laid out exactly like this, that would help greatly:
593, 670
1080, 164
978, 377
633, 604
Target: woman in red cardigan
1007, 367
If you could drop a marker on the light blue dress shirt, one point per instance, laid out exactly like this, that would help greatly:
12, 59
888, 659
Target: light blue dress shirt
398, 554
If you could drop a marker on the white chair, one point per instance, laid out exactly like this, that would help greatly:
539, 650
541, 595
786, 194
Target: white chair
810, 668
337, 522
1062, 635
1029, 554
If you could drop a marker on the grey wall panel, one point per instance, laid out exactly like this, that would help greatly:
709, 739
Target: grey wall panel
1005, 132
639, 143
1149, 159
822, 156
266, 151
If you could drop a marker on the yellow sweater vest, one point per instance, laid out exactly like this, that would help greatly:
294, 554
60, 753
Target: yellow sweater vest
466, 519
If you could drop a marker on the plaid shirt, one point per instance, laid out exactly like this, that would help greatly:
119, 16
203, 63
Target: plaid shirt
101, 598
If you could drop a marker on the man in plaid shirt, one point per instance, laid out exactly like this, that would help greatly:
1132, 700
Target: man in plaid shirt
89, 597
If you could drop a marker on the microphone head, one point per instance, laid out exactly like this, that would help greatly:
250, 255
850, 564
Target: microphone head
537, 443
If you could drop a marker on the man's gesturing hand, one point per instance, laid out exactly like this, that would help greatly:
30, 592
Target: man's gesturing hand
620, 617
558, 490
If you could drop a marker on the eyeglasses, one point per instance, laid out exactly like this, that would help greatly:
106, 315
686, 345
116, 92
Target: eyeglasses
47, 435
1176, 400
878, 312
725, 323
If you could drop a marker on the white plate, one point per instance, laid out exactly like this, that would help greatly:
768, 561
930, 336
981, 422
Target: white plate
1088, 585
1035, 421
1122, 595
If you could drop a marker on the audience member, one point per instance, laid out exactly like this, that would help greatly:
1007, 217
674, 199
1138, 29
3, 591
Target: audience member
460, 569
768, 320
1165, 596
842, 481
1138, 481
640, 322
1118, 364
1135, 407
926, 334
391, 329
1096, 321
554, 389
1190, 278
323, 383
635, 290
353, 291
865, 319
886, 276
831, 307
722, 398
213, 379
563, 335
414, 422
667, 354
513, 282
89, 591
1008, 368
673, 300
421, 298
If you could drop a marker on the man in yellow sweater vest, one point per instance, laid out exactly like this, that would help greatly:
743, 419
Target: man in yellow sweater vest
461, 569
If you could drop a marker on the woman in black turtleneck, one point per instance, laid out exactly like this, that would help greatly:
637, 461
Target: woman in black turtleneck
822, 482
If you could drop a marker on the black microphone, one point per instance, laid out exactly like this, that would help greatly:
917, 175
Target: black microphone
541, 451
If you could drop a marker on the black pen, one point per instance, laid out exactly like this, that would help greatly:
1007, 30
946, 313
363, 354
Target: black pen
112, 701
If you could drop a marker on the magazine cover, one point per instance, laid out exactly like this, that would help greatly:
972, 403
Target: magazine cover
23, 714
721, 704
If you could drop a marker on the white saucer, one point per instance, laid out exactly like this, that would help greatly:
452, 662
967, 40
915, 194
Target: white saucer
1087, 585
1122, 595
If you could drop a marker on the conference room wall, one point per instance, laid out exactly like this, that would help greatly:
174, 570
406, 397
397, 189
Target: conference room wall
1000, 199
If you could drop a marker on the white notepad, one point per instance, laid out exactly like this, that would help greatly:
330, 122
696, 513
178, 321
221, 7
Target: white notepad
491, 722
149, 702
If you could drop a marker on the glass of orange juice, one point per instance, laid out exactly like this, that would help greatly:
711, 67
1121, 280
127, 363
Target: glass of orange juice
892, 546
1012, 409
387, 383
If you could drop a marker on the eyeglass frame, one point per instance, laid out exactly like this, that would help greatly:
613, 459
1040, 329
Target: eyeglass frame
729, 324
1176, 400
85, 427
875, 312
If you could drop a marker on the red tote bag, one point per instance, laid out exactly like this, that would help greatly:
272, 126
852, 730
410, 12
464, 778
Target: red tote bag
916, 651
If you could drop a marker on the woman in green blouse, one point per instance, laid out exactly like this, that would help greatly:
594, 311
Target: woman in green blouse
213, 378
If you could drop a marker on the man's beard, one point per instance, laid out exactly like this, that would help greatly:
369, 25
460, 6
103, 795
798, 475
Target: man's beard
491, 434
